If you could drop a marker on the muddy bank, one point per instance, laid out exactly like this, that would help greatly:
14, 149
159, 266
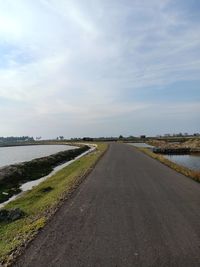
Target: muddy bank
187, 147
13, 176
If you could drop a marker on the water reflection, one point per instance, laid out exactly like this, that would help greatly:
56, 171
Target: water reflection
144, 145
17, 154
191, 161
29, 185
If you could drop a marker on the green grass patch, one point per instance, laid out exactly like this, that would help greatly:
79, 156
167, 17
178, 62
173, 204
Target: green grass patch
41, 202
195, 175
11, 177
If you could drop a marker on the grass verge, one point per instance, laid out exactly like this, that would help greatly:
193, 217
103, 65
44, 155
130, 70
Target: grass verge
195, 175
13, 176
40, 204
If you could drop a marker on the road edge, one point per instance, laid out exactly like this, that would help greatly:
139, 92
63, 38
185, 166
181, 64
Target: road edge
194, 175
11, 257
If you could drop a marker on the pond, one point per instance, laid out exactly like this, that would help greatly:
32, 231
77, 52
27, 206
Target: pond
17, 154
29, 185
191, 161
143, 145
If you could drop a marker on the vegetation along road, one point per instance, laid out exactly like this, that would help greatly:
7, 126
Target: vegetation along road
130, 211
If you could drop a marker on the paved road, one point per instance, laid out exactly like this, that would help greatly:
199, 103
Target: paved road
130, 211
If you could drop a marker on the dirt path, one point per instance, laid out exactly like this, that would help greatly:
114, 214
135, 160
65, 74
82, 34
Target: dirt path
130, 211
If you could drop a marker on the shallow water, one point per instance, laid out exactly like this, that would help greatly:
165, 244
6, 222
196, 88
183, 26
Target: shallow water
29, 185
191, 161
17, 154
141, 145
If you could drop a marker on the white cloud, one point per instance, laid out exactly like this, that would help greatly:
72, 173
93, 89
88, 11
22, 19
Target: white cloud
77, 59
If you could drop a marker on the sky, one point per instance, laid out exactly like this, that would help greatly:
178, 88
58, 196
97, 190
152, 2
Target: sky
99, 67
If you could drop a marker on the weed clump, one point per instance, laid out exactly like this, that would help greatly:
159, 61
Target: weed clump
11, 215
46, 189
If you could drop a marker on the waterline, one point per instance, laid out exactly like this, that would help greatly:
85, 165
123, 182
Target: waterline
29, 185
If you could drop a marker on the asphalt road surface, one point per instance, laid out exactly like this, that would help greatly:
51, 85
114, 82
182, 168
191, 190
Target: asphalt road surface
130, 211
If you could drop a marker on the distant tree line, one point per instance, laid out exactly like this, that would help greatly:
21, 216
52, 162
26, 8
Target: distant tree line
111, 138
179, 135
12, 139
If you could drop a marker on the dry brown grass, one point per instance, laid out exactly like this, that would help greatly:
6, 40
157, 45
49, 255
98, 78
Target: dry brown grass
195, 175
